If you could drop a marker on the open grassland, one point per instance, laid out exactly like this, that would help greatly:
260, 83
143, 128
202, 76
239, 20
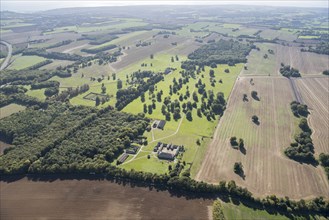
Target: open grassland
315, 93
56, 63
37, 93
93, 199
21, 62
182, 131
10, 109
305, 62
267, 170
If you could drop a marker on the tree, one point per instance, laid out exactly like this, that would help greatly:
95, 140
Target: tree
255, 119
119, 84
241, 143
226, 70
189, 115
212, 73
326, 72
97, 101
143, 97
254, 94
103, 89
145, 108
113, 76
177, 59
151, 56
233, 141
150, 109
238, 168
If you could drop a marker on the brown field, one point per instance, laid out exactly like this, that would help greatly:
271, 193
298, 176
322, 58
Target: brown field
135, 54
267, 169
307, 63
10, 109
93, 199
315, 93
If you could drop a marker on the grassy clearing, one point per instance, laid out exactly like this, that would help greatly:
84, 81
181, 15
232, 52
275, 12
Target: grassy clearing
240, 211
10, 109
37, 93
22, 62
308, 37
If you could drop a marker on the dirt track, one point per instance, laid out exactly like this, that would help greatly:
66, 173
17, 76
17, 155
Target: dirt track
7, 60
267, 169
93, 199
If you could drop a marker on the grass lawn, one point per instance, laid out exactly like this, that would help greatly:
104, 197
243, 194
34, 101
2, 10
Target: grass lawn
240, 211
21, 62
37, 93
10, 109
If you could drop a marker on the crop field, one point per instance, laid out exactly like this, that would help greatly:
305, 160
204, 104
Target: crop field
56, 63
305, 62
283, 34
22, 62
93, 199
10, 109
267, 170
315, 93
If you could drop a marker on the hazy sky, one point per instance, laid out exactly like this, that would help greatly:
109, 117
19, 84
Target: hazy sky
30, 6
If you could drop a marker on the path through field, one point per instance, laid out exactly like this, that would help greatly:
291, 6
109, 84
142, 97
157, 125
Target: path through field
267, 169
7, 60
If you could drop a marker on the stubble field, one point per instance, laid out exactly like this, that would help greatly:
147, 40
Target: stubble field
267, 170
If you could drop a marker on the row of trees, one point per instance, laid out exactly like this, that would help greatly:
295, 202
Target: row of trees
99, 49
288, 71
51, 55
59, 44
302, 149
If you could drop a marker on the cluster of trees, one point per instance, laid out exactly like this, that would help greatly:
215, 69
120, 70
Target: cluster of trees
59, 44
288, 71
143, 44
40, 64
59, 122
326, 72
44, 84
71, 92
125, 96
94, 146
217, 211
20, 98
102, 39
221, 52
51, 55
299, 109
235, 144
238, 168
99, 49
324, 161
302, 150
321, 48
12, 89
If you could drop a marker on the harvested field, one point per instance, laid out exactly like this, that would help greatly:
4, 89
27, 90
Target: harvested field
307, 63
135, 54
267, 169
315, 94
93, 199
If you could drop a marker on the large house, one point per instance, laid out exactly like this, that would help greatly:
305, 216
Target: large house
167, 151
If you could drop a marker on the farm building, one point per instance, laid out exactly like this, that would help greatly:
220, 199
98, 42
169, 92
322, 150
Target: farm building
159, 124
167, 151
122, 158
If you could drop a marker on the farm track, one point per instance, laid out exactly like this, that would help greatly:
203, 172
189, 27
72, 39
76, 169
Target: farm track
295, 91
267, 169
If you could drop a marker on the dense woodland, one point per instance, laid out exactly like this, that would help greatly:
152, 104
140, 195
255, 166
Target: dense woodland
220, 52
51, 55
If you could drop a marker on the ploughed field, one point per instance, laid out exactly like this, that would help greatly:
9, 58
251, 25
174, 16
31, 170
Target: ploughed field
267, 170
315, 94
93, 199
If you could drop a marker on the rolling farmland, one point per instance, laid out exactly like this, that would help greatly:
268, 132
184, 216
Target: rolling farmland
267, 169
315, 93
306, 62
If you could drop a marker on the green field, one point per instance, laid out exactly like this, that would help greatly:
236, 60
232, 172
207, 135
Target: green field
37, 93
22, 62
10, 109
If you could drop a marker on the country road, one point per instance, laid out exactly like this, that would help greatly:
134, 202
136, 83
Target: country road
7, 60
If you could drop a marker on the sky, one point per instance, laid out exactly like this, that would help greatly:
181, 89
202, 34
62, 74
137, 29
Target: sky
41, 5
